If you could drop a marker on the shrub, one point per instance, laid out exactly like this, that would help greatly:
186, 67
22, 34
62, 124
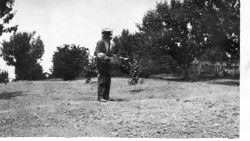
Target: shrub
70, 61
4, 75
135, 70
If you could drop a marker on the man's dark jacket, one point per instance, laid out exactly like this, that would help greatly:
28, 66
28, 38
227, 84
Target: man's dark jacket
102, 64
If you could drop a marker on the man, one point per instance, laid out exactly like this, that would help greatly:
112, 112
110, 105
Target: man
103, 54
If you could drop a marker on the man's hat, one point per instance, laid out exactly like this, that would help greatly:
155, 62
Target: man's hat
107, 31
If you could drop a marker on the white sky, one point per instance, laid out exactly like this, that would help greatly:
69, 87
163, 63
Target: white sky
61, 22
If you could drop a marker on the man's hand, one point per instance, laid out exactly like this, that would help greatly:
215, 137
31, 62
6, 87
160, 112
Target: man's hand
125, 59
107, 59
103, 57
122, 58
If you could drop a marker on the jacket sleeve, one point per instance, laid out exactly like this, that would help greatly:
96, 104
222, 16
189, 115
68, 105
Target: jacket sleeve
98, 48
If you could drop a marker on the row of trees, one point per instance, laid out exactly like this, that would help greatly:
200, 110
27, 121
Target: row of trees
24, 52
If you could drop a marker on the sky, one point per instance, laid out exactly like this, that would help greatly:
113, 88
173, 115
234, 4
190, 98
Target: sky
80, 22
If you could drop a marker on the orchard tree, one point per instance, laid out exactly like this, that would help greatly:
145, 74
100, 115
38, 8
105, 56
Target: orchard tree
168, 28
23, 51
6, 14
186, 30
70, 61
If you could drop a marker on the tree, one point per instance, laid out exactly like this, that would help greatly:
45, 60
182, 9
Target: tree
6, 14
70, 61
4, 77
185, 30
226, 34
23, 52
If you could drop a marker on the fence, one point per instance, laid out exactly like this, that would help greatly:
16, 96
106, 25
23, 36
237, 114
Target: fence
217, 69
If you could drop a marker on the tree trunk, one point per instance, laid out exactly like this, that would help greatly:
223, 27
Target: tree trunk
186, 71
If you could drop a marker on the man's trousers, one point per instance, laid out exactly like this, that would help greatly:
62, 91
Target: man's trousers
104, 81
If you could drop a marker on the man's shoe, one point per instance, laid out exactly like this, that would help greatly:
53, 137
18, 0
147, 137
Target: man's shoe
110, 99
102, 100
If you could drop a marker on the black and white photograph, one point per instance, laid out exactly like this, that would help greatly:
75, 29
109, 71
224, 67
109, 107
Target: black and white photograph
122, 69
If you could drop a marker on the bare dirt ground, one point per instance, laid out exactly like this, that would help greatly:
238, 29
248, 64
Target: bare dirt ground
156, 109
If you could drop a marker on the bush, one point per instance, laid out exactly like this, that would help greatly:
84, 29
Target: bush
4, 75
70, 61
134, 72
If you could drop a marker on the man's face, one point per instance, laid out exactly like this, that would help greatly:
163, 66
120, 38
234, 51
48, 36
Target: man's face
108, 37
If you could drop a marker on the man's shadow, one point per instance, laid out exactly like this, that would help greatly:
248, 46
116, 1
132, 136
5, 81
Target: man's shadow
121, 100
9, 95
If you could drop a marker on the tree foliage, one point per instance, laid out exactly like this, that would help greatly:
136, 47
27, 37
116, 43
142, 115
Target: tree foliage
142, 52
70, 61
23, 51
189, 29
128, 45
135, 70
6, 14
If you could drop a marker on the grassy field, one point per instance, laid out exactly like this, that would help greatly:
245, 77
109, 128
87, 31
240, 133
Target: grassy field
158, 109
